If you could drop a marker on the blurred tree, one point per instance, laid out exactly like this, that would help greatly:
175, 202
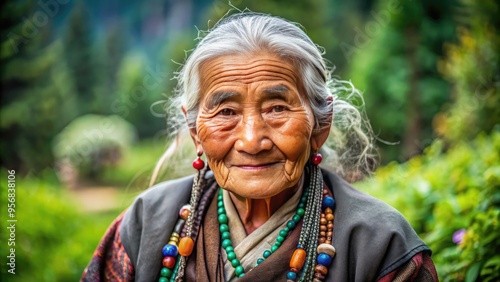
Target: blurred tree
394, 58
37, 95
472, 66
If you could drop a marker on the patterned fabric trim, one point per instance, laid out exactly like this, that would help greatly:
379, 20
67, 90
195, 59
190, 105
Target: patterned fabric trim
420, 268
110, 261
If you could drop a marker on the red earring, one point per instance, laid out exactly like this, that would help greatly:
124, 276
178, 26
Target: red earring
317, 158
198, 163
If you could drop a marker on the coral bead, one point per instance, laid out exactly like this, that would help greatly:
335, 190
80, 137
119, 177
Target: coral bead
186, 245
317, 158
198, 163
168, 262
298, 259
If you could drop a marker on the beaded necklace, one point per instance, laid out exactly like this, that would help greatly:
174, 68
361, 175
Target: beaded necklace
314, 229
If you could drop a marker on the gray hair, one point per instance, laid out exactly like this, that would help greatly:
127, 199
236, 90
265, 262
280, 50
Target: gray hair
349, 151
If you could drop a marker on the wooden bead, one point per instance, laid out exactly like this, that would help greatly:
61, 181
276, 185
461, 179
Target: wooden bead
322, 228
327, 249
323, 270
330, 225
328, 210
329, 217
317, 280
328, 241
329, 234
325, 191
298, 258
322, 233
323, 221
321, 240
319, 276
186, 246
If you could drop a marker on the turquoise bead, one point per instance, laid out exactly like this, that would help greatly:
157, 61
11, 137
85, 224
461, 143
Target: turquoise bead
229, 249
239, 270
226, 243
290, 224
301, 211
277, 243
274, 248
302, 205
163, 279
291, 275
223, 228
266, 253
220, 204
235, 262
241, 275
260, 260
231, 255
222, 218
280, 239
226, 235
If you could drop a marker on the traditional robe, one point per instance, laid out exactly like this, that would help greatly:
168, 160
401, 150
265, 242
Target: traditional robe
373, 241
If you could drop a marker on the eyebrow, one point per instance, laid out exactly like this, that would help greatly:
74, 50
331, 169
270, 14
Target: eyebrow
277, 92
218, 97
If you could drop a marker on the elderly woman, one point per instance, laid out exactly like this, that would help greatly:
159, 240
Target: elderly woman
260, 104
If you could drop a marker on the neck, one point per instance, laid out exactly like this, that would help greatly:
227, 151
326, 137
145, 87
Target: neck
255, 212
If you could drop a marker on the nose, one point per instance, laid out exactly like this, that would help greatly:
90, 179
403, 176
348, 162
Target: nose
253, 135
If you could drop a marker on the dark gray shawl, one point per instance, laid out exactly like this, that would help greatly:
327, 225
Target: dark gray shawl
372, 239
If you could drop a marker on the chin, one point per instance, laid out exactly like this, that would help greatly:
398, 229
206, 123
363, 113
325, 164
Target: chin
256, 190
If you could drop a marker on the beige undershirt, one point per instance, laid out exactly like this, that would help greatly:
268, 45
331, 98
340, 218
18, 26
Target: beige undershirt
249, 248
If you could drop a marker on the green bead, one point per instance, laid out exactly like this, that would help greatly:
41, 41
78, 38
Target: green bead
280, 239
220, 204
284, 233
290, 224
230, 255
296, 218
235, 262
277, 243
274, 248
219, 197
166, 272
163, 279
221, 211
226, 235
222, 218
302, 205
260, 260
301, 211
266, 253
239, 270
241, 275
229, 249
226, 243
223, 228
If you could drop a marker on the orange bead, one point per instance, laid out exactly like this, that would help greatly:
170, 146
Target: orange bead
298, 258
329, 217
186, 245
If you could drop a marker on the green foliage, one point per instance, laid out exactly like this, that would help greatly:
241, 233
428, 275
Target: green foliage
442, 192
54, 239
472, 66
90, 141
394, 59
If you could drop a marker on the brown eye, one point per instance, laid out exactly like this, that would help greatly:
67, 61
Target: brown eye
227, 112
278, 109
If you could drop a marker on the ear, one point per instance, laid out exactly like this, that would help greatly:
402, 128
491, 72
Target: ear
319, 136
194, 134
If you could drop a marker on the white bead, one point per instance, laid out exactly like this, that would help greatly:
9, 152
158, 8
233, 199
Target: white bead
327, 249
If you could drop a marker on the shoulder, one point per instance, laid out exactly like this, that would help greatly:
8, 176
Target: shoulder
152, 215
369, 232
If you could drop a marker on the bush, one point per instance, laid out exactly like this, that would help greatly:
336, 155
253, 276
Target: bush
452, 200
54, 240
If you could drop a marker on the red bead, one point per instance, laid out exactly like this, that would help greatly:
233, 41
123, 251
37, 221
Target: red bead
168, 262
317, 158
198, 163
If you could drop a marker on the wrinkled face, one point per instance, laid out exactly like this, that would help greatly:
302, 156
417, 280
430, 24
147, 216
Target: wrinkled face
254, 124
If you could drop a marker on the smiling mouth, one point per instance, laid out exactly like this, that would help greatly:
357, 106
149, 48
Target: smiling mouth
255, 167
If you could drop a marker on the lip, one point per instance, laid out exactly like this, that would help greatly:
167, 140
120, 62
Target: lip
255, 167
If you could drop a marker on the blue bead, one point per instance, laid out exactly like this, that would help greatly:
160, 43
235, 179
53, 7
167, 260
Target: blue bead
291, 275
169, 250
328, 202
324, 259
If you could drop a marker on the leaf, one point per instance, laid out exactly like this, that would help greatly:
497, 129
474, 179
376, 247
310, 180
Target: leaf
473, 272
